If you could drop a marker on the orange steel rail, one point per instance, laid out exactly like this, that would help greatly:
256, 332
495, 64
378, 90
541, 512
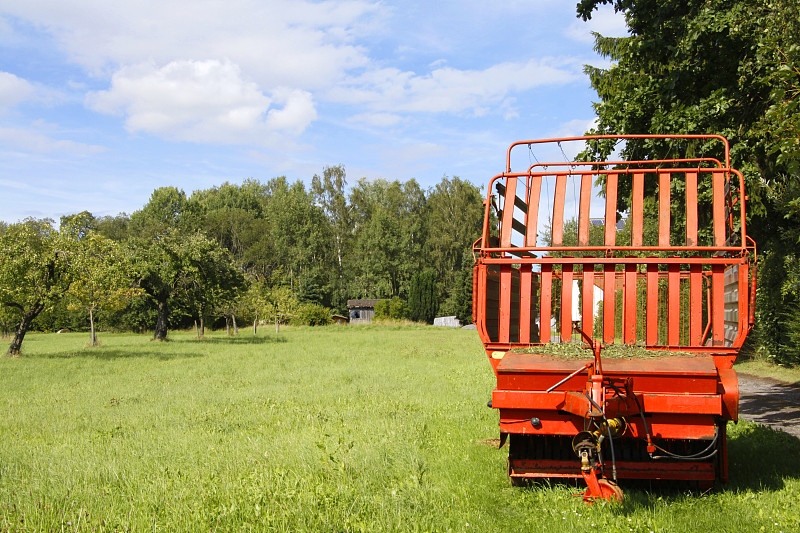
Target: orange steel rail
678, 276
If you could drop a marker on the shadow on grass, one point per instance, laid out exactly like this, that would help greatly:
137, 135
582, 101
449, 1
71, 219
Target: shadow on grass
110, 354
271, 339
760, 459
184, 348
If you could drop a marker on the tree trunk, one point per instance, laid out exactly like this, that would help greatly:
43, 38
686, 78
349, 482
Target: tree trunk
91, 328
22, 329
255, 326
228, 325
235, 327
196, 331
161, 323
202, 326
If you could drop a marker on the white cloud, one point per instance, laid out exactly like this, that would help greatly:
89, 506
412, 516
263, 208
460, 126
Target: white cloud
380, 120
30, 140
14, 90
291, 43
449, 90
201, 101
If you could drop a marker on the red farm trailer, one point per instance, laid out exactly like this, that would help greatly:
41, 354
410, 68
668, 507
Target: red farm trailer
612, 320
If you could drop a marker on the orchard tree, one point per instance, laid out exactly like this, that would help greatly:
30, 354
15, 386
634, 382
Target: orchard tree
179, 271
208, 277
102, 277
35, 272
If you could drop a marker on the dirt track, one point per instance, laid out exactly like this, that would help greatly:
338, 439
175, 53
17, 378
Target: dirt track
770, 402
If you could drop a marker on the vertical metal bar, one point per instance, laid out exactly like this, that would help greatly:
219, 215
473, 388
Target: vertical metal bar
717, 305
525, 295
532, 215
505, 303
718, 191
744, 277
611, 211
652, 305
566, 303
545, 307
629, 305
663, 208
674, 305
637, 209
532, 212
695, 305
587, 307
584, 210
691, 209
609, 303
558, 209
508, 212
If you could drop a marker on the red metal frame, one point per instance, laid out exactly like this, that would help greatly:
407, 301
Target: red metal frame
536, 279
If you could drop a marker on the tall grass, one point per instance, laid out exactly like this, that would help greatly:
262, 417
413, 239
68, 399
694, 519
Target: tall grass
315, 429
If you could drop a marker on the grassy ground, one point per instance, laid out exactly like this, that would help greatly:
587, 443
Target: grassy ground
315, 429
765, 369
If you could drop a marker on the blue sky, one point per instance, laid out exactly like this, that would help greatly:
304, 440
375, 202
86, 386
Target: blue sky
102, 102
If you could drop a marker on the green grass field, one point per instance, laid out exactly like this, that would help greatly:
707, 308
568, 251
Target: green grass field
317, 429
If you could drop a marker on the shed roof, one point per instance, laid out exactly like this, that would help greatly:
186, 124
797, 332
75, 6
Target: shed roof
362, 303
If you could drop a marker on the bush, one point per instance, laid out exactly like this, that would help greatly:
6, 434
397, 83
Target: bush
311, 314
394, 309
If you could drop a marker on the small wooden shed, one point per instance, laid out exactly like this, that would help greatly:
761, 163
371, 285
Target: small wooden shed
361, 311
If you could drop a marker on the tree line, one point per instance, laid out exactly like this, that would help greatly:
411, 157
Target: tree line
277, 251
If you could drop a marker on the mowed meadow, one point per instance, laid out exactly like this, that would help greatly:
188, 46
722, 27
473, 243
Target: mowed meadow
313, 429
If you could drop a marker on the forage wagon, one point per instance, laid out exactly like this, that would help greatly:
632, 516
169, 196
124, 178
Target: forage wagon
612, 321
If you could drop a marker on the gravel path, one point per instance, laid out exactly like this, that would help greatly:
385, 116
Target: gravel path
770, 402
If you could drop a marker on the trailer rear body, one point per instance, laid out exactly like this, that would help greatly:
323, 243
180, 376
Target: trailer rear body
647, 265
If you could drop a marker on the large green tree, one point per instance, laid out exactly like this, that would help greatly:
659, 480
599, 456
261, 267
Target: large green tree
35, 272
190, 273
388, 227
